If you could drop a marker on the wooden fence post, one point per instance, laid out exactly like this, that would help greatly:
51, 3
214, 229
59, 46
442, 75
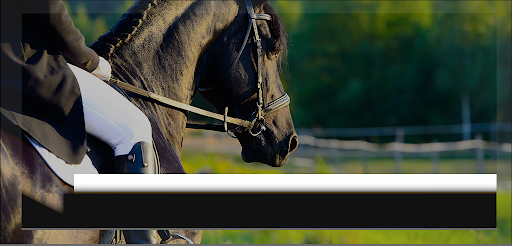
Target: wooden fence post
435, 158
364, 159
466, 118
398, 150
335, 156
479, 153
494, 141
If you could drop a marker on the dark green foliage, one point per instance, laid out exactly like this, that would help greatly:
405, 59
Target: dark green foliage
378, 68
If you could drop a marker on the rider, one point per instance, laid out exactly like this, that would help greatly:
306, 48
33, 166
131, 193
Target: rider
57, 102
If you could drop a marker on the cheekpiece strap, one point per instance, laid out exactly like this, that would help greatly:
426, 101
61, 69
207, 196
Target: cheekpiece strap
252, 15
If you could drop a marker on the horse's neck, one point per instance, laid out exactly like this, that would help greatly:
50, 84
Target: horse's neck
162, 54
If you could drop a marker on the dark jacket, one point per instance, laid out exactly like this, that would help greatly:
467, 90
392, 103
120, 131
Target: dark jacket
39, 91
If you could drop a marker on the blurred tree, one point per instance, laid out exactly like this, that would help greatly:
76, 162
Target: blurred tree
388, 63
94, 18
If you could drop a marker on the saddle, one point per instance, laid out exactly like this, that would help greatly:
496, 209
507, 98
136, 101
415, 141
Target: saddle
99, 159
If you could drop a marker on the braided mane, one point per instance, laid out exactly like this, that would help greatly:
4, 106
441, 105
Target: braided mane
129, 22
123, 30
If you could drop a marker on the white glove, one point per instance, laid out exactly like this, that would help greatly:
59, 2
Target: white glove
103, 71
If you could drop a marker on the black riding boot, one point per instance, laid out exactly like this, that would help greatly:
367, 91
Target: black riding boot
141, 159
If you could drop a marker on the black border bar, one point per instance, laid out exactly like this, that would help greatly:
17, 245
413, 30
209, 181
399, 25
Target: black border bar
256, 211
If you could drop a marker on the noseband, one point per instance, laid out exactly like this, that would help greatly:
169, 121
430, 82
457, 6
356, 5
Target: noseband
260, 112
242, 125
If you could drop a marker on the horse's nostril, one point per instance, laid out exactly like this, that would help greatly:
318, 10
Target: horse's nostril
294, 143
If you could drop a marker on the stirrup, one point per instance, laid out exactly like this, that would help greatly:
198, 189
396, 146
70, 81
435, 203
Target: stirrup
166, 237
141, 159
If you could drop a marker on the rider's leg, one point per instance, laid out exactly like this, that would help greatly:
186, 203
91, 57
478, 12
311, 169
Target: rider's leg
116, 121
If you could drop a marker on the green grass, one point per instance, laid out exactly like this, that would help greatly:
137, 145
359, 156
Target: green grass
222, 163
226, 163
194, 162
348, 237
419, 165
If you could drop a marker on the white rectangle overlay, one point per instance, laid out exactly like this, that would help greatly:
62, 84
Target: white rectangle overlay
283, 183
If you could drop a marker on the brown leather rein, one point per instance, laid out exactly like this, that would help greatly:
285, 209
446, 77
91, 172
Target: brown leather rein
275, 105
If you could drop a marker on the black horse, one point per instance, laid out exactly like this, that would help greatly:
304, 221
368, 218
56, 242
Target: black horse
171, 48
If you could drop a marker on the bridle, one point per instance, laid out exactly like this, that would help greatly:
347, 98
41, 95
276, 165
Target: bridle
260, 113
242, 125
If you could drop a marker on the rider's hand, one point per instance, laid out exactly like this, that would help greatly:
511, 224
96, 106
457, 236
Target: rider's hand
103, 71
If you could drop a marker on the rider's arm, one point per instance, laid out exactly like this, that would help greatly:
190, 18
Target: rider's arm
59, 31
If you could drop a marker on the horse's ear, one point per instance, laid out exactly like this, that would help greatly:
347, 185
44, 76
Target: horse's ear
258, 2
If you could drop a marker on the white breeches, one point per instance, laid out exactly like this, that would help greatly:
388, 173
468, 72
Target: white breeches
109, 116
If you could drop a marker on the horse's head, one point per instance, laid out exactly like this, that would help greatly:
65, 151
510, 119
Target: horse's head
229, 82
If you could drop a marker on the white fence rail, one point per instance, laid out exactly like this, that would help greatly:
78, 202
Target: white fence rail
403, 147
335, 149
313, 143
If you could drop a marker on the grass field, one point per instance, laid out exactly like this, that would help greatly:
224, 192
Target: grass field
195, 162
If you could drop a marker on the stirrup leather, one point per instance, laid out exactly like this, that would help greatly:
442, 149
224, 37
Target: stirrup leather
141, 159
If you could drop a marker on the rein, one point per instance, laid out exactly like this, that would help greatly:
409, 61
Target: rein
242, 125
272, 107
